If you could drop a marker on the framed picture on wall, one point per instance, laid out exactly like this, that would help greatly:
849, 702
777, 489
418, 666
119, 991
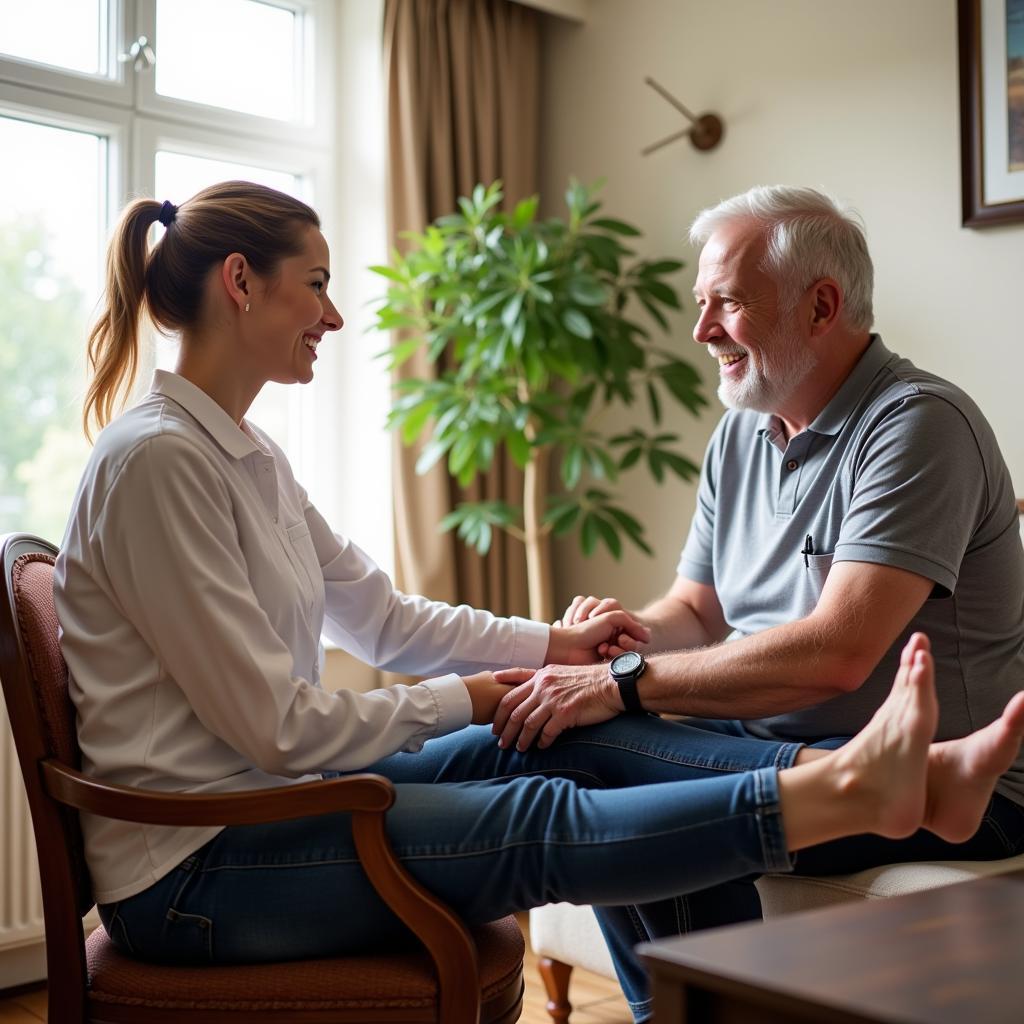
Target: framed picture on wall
991, 38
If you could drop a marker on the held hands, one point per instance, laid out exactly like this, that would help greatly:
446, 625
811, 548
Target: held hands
593, 629
526, 706
628, 634
486, 691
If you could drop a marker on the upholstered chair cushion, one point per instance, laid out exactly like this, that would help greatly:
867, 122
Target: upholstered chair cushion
402, 981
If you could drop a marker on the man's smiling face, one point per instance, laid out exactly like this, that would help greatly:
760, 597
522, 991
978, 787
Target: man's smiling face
762, 356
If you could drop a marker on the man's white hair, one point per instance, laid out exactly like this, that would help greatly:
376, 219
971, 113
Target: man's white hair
809, 236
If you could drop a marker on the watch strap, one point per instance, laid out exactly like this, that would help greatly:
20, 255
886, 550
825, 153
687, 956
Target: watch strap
628, 691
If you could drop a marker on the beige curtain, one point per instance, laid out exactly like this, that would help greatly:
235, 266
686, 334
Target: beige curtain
463, 100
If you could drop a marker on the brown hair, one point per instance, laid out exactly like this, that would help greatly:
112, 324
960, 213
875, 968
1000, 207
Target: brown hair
264, 225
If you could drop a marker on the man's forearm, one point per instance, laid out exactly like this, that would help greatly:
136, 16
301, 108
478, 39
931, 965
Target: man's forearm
674, 626
782, 669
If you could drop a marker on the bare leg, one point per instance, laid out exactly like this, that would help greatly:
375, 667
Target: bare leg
877, 782
961, 773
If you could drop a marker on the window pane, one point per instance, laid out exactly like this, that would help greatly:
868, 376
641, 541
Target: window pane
51, 236
64, 33
179, 176
243, 59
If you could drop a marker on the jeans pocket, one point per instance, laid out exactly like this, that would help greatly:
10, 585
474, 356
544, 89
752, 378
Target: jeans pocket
186, 938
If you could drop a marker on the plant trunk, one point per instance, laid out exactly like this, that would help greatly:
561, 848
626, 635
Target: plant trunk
538, 568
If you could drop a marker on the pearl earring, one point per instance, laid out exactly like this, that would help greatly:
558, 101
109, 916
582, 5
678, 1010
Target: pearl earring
247, 307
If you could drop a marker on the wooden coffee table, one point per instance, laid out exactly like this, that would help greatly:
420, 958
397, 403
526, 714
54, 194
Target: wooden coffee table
953, 955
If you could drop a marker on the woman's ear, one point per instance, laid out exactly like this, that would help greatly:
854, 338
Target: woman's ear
235, 275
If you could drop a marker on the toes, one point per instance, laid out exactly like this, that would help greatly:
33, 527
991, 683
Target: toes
1013, 716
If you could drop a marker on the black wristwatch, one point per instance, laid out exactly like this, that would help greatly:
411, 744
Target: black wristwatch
626, 669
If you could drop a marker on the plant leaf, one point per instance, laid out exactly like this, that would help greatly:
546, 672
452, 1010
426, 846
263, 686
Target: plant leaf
576, 323
518, 448
609, 535
620, 227
654, 402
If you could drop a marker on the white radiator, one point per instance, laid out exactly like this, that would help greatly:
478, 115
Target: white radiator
22, 953
21, 903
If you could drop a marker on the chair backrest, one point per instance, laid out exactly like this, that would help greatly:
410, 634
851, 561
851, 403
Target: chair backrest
34, 677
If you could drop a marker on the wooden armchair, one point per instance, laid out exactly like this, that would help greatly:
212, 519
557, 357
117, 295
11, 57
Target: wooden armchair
461, 979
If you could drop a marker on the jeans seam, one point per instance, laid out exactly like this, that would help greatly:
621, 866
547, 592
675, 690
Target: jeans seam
787, 755
117, 920
639, 929
552, 841
769, 820
643, 1008
731, 767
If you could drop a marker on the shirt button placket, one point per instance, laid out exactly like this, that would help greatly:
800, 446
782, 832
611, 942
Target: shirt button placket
788, 478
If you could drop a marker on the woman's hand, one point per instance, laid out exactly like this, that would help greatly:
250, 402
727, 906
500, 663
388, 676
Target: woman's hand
485, 692
594, 637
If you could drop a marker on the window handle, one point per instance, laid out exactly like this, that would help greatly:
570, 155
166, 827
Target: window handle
140, 53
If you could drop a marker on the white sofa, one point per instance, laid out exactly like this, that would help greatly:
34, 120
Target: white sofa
564, 936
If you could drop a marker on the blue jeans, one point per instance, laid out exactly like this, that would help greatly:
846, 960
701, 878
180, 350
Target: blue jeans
621, 813
1001, 834
638, 748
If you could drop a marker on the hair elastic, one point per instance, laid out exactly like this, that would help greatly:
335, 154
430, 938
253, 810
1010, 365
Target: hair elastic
167, 213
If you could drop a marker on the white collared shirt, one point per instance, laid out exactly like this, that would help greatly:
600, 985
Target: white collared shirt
192, 588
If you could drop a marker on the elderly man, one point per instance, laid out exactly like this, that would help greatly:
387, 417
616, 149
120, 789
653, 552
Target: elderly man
847, 500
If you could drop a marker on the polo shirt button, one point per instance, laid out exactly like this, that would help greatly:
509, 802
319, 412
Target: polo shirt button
792, 464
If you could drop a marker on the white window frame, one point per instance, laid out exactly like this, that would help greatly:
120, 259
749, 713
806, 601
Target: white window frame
82, 115
114, 84
316, 30
335, 458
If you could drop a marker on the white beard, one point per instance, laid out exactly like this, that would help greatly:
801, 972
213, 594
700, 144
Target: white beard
785, 365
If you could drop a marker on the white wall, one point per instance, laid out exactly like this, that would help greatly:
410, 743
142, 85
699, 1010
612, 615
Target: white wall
858, 98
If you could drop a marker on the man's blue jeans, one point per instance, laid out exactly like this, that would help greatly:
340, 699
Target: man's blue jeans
626, 812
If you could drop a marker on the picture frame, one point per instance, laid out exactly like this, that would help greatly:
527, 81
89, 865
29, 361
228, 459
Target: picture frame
991, 51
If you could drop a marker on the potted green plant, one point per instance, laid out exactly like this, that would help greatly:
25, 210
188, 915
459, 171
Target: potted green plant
532, 323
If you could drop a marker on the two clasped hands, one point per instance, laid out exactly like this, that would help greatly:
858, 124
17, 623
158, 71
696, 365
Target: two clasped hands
572, 689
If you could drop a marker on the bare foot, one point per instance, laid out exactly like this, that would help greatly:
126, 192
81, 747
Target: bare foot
962, 773
884, 768
878, 781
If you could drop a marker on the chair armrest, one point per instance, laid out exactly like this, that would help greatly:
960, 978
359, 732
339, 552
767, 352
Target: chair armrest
366, 797
249, 807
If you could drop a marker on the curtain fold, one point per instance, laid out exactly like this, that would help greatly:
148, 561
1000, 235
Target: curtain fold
463, 86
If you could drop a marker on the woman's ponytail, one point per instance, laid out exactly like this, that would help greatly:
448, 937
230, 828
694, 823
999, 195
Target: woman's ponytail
113, 350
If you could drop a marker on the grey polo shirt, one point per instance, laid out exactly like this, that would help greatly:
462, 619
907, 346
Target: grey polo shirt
900, 468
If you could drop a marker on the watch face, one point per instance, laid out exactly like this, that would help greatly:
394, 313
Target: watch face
626, 663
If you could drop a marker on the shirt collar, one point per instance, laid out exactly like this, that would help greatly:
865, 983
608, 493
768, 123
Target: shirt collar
842, 404
207, 413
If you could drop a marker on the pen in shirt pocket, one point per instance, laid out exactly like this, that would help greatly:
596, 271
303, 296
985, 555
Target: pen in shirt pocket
807, 550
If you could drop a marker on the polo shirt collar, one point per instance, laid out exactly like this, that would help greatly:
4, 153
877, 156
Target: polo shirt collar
843, 403
210, 416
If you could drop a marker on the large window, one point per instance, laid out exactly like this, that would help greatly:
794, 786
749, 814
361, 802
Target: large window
101, 100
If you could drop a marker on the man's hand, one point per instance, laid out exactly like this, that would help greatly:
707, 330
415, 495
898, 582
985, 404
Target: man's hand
486, 692
558, 697
582, 608
591, 638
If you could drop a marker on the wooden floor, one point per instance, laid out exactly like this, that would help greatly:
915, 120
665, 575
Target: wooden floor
595, 1000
